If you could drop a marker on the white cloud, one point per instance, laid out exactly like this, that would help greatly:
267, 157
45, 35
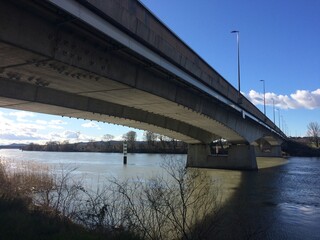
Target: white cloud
55, 127
118, 138
21, 115
91, 125
299, 99
16, 128
57, 122
310, 100
71, 134
42, 122
65, 135
19, 132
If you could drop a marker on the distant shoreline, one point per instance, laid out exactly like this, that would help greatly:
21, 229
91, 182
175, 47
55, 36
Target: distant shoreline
293, 147
157, 147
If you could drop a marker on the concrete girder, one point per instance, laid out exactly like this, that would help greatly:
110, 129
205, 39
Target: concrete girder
81, 52
119, 94
268, 139
272, 140
31, 95
57, 75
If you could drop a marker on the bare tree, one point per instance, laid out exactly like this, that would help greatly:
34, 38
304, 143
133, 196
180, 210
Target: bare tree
78, 133
107, 137
180, 205
150, 137
58, 192
314, 132
131, 138
52, 146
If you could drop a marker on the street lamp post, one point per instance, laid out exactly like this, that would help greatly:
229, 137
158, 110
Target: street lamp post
264, 96
279, 124
238, 46
279, 119
274, 113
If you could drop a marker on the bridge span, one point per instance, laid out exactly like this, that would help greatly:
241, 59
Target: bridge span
114, 61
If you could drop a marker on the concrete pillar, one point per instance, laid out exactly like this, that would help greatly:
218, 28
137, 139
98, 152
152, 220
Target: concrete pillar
240, 157
198, 155
271, 151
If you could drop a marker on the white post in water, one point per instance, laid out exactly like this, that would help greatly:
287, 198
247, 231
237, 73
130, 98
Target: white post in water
125, 151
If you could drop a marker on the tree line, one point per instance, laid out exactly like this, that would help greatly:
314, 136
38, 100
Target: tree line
152, 143
314, 133
156, 143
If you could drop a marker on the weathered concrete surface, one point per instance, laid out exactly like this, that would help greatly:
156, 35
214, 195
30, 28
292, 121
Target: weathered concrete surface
197, 155
271, 151
240, 157
140, 23
71, 60
51, 62
268, 146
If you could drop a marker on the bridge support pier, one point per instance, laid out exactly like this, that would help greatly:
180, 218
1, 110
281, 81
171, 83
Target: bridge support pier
272, 151
240, 157
198, 155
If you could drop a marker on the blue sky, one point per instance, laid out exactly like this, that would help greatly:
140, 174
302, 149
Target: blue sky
279, 43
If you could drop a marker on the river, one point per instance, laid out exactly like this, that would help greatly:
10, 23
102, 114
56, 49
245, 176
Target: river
280, 201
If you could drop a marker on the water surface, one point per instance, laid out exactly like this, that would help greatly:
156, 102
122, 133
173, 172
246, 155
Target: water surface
280, 201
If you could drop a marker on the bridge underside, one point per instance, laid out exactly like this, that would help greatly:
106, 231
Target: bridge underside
30, 82
51, 63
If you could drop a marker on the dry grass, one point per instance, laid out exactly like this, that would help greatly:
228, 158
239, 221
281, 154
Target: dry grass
36, 203
182, 205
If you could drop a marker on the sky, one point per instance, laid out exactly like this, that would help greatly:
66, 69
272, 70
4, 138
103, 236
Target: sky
279, 43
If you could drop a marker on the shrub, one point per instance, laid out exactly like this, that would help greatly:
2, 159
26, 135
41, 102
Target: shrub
179, 204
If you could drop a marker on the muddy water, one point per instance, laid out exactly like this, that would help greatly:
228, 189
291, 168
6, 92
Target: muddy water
280, 201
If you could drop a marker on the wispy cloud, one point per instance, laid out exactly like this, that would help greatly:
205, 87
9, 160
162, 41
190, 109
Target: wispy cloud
65, 135
54, 124
300, 99
19, 132
57, 122
72, 136
21, 115
91, 125
21, 127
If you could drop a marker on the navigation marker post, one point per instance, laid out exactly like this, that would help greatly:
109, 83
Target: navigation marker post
125, 151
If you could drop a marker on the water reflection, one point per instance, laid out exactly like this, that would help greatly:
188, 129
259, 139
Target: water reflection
277, 202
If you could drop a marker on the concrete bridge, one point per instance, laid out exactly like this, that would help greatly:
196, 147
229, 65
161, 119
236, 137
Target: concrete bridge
114, 61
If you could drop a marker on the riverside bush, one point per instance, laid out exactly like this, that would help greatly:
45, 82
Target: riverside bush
178, 204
